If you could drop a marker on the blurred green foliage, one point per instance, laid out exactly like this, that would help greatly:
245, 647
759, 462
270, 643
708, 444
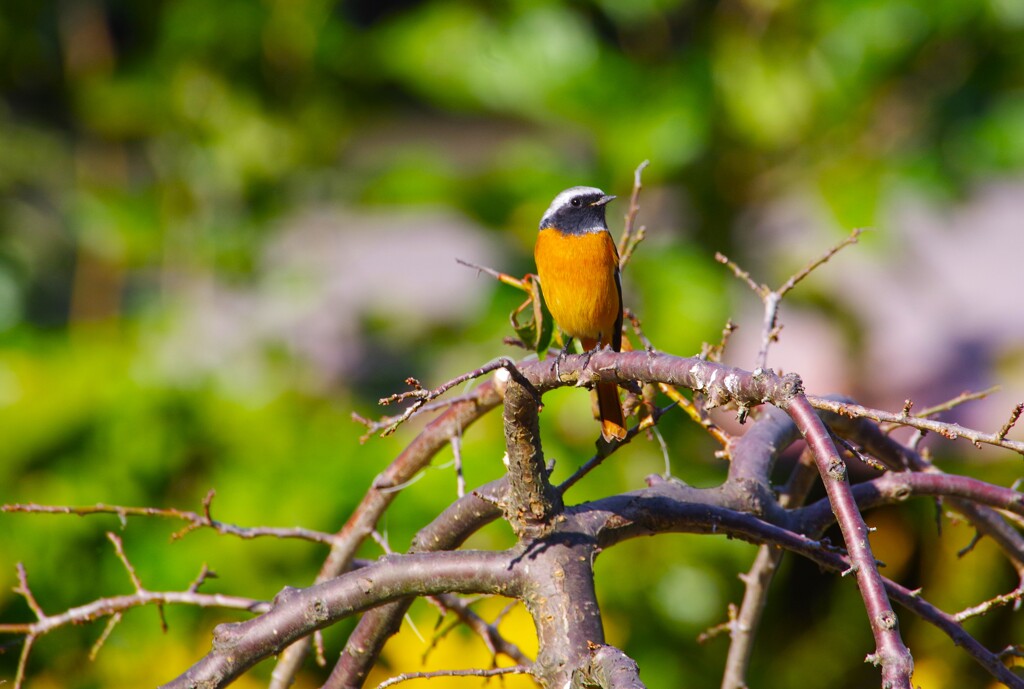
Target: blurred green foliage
154, 155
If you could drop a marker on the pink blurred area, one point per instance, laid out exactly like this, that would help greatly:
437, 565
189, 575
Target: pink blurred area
325, 273
935, 294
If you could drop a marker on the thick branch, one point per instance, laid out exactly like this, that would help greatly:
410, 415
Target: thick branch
609, 668
194, 519
881, 445
897, 487
559, 593
890, 652
296, 613
532, 501
753, 458
654, 510
743, 629
363, 521
719, 383
447, 532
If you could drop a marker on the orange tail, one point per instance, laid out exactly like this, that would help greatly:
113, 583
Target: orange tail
613, 423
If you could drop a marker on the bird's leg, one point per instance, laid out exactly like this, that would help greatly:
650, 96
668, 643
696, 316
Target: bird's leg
561, 357
586, 357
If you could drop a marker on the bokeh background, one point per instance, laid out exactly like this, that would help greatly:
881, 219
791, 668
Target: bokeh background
225, 226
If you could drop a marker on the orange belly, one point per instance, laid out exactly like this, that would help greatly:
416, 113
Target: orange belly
577, 277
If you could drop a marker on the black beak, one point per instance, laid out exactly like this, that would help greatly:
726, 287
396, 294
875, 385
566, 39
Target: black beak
603, 200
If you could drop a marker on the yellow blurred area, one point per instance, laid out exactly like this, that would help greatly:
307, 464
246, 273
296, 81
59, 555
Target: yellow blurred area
418, 647
893, 541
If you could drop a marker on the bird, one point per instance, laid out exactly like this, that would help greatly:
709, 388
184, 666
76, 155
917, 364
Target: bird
578, 266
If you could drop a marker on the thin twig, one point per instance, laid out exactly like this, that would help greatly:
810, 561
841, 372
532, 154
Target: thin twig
422, 396
605, 450
810, 267
714, 352
638, 330
26, 593
518, 283
951, 431
487, 631
983, 608
722, 627
697, 414
204, 573
493, 672
133, 575
745, 622
375, 426
1014, 415
196, 520
103, 607
318, 648
632, 236
26, 650
773, 298
112, 607
957, 401
460, 479
119, 549
760, 290
111, 623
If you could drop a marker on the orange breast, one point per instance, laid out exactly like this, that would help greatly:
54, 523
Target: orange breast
577, 277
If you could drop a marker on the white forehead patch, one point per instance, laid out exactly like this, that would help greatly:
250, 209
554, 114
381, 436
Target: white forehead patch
564, 197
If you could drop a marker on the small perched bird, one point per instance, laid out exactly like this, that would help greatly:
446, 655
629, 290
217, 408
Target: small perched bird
578, 267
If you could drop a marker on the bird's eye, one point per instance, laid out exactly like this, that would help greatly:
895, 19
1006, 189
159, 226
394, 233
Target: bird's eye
577, 202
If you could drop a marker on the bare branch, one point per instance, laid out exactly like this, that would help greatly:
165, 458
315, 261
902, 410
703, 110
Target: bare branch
24, 590
487, 631
196, 521
518, 283
114, 620
773, 298
605, 450
983, 608
896, 487
891, 653
460, 479
631, 236
376, 426
962, 398
607, 668
696, 414
449, 530
108, 606
298, 613
119, 549
950, 431
810, 267
1014, 415
743, 624
714, 352
136, 582
438, 433
760, 290
493, 672
532, 501
643, 513
422, 396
